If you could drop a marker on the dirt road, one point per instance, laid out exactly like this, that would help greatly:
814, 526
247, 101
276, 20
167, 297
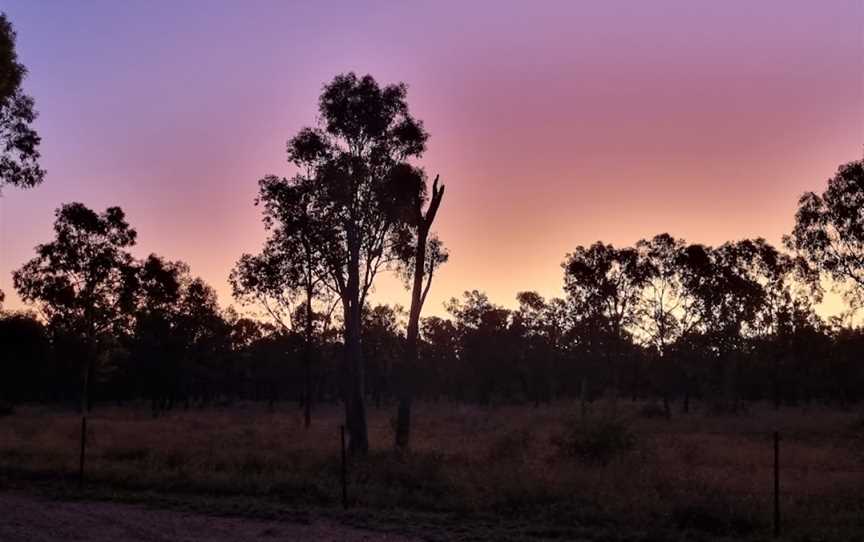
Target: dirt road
25, 518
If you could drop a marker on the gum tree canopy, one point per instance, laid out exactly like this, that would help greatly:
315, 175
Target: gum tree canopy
350, 175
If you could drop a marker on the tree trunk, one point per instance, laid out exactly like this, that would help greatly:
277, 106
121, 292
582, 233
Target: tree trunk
409, 365
355, 407
307, 359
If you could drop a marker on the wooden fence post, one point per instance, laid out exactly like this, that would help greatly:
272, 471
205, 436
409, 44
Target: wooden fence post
83, 448
344, 471
776, 484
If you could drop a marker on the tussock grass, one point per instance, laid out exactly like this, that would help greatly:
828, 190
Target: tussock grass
546, 467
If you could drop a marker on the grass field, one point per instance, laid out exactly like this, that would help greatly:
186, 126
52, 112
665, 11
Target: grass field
514, 472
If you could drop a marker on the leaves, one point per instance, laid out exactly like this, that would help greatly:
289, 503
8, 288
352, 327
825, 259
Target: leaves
829, 230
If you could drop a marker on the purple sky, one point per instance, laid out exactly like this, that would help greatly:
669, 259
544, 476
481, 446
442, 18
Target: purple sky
553, 123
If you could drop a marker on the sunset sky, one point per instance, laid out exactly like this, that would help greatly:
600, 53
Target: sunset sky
553, 124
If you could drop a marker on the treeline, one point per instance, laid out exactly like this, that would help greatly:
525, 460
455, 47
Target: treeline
661, 320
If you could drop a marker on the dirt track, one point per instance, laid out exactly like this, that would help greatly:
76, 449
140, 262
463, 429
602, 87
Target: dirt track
24, 518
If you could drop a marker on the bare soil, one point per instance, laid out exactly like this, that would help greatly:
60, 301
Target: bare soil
25, 518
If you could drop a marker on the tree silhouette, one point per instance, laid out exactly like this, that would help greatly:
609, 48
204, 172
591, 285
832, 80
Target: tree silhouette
604, 286
726, 300
829, 230
664, 307
19, 142
421, 256
541, 327
347, 165
156, 346
83, 281
484, 346
290, 267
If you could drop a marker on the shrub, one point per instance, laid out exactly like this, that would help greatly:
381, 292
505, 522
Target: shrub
6, 408
597, 441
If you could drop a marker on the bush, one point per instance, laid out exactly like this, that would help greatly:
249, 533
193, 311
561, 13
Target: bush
597, 441
6, 408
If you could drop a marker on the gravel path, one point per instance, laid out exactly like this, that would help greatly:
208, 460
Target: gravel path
24, 518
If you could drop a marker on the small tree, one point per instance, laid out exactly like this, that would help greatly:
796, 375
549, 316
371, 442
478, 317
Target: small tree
290, 269
83, 279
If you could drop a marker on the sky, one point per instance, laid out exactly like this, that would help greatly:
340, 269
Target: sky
553, 123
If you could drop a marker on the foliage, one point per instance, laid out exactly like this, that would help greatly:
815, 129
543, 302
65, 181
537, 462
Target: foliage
829, 229
19, 142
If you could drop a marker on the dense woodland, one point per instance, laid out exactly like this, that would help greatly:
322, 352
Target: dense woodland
663, 320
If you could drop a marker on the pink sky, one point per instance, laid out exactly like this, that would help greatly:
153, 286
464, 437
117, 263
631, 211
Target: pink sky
553, 124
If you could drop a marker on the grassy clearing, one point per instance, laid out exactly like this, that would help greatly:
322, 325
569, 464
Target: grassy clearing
502, 472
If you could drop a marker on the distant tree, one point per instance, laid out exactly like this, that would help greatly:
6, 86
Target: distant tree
19, 142
663, 304
206, 338
665, 312
290, 270
82, 280
541, 327
347, 164
439, 364
485, 347
604, 285
790, 287
156, 347
383, 346
726, 301
829, 230
421, 256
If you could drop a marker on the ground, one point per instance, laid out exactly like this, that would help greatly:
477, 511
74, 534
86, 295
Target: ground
28, 518
620, 471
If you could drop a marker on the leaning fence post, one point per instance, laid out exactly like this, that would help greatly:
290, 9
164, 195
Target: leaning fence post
83, 448
776, 484
344, 471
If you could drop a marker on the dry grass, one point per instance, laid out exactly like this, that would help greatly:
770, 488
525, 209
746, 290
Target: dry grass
698, 473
